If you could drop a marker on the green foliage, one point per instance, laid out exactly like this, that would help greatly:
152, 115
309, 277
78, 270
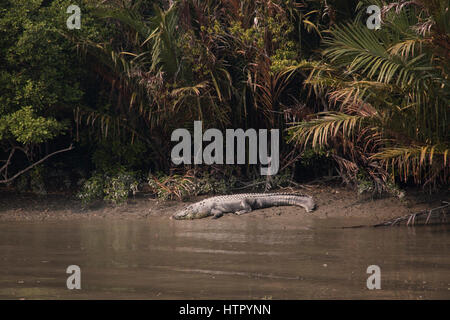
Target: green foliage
92, 189
42, 81
364, 184
38, 82
27, 128
36, 59
115, 187
119, 186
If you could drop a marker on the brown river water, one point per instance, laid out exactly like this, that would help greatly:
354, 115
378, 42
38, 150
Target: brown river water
235, 258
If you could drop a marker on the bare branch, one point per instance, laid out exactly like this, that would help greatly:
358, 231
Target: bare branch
7, 180
5, 166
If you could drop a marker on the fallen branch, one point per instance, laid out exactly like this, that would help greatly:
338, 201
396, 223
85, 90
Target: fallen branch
438, 212
7, 180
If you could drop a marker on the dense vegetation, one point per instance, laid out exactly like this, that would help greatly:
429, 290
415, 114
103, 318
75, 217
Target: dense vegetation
93, 109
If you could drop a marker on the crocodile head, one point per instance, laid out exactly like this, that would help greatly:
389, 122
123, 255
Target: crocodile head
193, 211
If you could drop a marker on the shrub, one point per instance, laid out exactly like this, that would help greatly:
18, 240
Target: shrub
118, 187
114, 187
92, 189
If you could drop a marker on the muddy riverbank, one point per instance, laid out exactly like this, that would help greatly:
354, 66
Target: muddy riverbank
332, 202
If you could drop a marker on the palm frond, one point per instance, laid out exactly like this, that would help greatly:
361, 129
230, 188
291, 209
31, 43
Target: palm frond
423, 163
328, 125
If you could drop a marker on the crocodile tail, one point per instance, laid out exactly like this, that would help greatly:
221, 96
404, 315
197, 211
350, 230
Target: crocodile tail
290, 200
302, 201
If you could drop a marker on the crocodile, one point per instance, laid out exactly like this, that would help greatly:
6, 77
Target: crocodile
242, 203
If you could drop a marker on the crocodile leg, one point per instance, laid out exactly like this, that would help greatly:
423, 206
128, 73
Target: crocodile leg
217, 213
246, 208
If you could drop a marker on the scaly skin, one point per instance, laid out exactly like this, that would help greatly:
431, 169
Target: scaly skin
242, 203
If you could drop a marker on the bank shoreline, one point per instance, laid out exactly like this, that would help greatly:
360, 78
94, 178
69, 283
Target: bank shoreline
333, 202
